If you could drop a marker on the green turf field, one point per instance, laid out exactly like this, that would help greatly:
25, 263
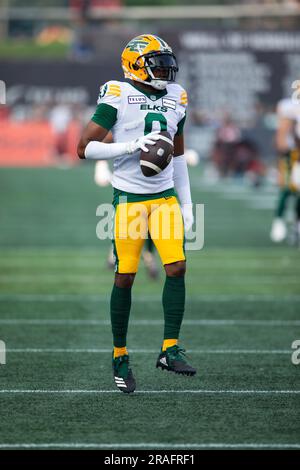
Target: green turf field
242, 315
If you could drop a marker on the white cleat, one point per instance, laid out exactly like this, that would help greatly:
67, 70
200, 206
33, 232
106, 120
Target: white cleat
278, 231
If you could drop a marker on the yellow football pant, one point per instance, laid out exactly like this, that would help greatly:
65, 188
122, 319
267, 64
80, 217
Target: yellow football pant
162, 217
285, 166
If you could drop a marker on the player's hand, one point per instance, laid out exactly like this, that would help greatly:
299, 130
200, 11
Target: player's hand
188, 217
141, 142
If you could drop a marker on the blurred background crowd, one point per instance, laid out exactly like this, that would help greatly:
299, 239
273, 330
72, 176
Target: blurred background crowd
236, 62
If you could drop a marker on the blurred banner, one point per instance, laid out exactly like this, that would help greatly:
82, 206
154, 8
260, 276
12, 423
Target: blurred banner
229, 68
236, 72
53, 81
33, 143
26, 144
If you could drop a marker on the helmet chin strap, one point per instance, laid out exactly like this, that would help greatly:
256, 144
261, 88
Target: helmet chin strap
156, 83
159, 84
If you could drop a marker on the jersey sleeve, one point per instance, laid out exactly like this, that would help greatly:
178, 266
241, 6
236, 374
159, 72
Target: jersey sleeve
108, 104
182, 105
286, 109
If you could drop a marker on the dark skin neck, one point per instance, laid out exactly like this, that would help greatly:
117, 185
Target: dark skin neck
145, 87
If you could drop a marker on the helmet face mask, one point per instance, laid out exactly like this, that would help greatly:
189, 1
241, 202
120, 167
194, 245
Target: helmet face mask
148, 59
161, 67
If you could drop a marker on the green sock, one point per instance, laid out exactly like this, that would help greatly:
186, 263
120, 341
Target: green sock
297, 208
283, 197
173, 300
120, 303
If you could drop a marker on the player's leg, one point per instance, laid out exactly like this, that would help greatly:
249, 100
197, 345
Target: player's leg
167, 231
295, 189
297, 211
120, 305
278, 230
282, 202
173, 300
127, 249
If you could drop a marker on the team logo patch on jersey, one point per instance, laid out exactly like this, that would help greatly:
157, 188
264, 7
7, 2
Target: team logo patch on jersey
102, 91
112, 89
137, 99
169, 103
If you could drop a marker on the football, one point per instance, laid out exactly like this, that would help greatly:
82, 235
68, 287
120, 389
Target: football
159, 156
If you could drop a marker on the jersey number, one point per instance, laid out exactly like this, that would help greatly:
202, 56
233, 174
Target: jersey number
150, 118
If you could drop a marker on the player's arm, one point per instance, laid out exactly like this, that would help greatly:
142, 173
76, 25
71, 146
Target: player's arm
181, 174
178, 145
284, 130
91, 147
182, 181
92, 133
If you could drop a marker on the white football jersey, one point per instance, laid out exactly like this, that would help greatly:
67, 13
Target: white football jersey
289, 109
131, 113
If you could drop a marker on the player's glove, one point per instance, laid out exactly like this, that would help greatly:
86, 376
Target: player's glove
182, 186
141, 142
188, 217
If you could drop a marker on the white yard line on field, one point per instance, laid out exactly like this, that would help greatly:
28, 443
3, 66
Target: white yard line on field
145, 351
150, 445
147, 298
246, 279
206, 262
200, 322
261, 204
152, 392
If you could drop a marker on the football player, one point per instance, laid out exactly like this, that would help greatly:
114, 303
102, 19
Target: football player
136, 111
288, 147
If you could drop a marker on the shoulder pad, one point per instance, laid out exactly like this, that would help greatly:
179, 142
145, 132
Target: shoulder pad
180, 93
183, 98
286, 108
111, 88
